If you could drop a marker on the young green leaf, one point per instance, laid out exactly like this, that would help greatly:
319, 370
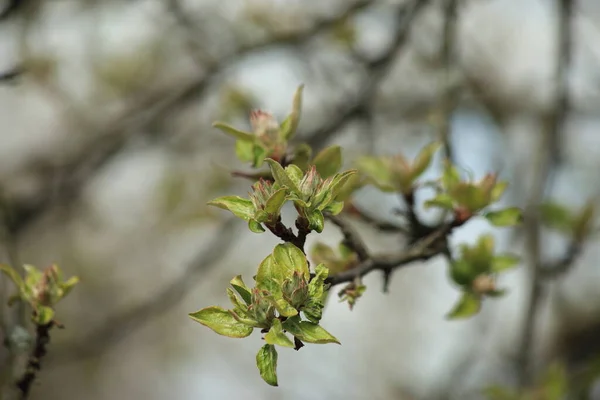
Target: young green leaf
507, 217
316, 221
13, 275
328, 161
290, 259
222, 322
290, 124
462, 272
556, 216
442, 200
266, 361
468, 305
255, 226
316, 285
498, 191
43, 315
275, 202
281, 177
423, 159
236, 133
504, 262
244, 150
275, 336
377, 172
240, 207
308, 331
240, 287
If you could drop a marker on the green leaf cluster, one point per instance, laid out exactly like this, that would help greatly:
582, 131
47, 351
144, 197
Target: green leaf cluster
268, 138
335, 261
475, 272
42, 290
396, 173
286, 300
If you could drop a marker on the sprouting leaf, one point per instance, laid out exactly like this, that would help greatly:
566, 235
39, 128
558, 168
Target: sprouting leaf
316, 285
462, 272
244, 150
222, 322
506, 217
240, 207
276, 336
468, 305
316, 221
504, 262
328, 161
281, 177
450, 177
266, 361
377, 172
259, 154
240, 287
290, 124
236, 301
44, 315
268, 270
294, 173
274, 203
337, 185
290, 259
13, 275
68, 285
255, 226
236, 133
442, 200
302, 155
308, 331
498, 191
423, 159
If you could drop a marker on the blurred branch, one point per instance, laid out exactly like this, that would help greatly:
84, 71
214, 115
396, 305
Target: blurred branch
127, 322
543, 166
42, 338
11, 75
65, 181
449, 97
351, 238
377, 70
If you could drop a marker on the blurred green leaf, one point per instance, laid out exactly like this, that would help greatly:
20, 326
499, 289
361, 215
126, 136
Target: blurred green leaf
462, 272
44, 315
266, 361
13, 275
423, 159
377, 172
506, 217
222, 322
468, 305
244, 150
290, 124
442, 201
328, 161
236, 133
556, 216
504, 262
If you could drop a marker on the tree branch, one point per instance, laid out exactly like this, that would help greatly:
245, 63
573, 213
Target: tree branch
42, 338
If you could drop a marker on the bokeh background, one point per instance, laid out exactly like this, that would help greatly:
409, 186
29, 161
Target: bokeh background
107, 160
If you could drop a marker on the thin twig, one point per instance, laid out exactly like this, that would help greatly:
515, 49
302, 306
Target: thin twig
42, 338
351, 238
543, 168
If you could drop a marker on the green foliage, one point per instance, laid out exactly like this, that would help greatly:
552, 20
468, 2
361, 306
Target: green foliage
396, 173
268, 138
42, 290
336, 262
553, 385
283, 289
475, 273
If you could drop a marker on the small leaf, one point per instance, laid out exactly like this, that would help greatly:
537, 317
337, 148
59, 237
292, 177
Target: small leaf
266, 361
316, 286
338, 183
44, 315
274, 203
244, 150
222, 322
240, 287
275, 336
328, 161
316, 221
302, 154
423, 160
498, 191
290, 125
235, 300
462, 272
504, 262
239, 206
556, 216
377, 171
281, 177
442, 200
295, 173
451, 176
308, 331
255, 226
507, 217
259, 154
268, 270
236, 133
13, 275
68, 285
468, 305
291, 259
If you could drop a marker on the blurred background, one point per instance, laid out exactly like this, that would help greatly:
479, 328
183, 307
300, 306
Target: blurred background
107, 160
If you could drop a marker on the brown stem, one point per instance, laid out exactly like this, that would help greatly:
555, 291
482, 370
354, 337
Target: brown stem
42, 338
